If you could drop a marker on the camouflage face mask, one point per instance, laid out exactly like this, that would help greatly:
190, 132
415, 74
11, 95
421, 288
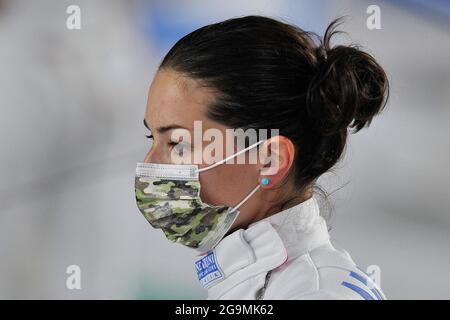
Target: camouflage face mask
168, 195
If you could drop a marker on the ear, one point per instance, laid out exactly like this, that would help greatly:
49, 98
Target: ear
277, 160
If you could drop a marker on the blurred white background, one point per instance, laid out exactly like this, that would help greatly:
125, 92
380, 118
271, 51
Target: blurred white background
71, 110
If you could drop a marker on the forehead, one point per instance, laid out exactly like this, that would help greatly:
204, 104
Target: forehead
175, 98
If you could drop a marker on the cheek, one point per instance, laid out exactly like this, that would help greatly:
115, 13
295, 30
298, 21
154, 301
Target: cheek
226, 184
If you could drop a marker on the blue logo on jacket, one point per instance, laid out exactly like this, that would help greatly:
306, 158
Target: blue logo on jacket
208, 270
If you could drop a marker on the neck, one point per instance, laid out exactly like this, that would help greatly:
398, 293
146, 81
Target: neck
262, 212
287, 203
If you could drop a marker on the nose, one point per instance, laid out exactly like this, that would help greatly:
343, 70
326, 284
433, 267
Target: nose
154, 154
150, 155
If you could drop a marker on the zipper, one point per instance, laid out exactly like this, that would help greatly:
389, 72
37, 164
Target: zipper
260, 292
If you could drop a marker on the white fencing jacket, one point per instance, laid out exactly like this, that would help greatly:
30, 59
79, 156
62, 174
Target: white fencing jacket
294, 245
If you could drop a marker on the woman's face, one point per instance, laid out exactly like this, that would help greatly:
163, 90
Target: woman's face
174, 103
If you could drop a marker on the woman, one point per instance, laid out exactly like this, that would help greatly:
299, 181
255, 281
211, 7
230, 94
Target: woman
257, 225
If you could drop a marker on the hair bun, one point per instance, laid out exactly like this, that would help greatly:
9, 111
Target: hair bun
348, 89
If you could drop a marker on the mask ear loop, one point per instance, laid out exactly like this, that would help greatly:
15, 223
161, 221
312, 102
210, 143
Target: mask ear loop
246, 198
230, 157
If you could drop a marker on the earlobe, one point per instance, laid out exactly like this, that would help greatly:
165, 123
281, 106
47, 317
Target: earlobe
278, 161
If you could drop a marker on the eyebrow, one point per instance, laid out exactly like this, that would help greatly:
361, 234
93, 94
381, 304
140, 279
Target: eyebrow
165, 128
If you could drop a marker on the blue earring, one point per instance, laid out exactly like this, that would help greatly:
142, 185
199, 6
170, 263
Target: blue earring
265, 181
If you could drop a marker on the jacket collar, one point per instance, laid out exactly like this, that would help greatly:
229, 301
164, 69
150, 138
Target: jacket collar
263, 246
300, 227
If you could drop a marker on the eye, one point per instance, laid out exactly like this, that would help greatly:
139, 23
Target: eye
149, 136
179, 147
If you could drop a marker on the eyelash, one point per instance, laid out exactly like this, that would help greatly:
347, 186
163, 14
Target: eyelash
170, 143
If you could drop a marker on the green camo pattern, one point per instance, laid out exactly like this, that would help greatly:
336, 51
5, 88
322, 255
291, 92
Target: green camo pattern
175, 207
